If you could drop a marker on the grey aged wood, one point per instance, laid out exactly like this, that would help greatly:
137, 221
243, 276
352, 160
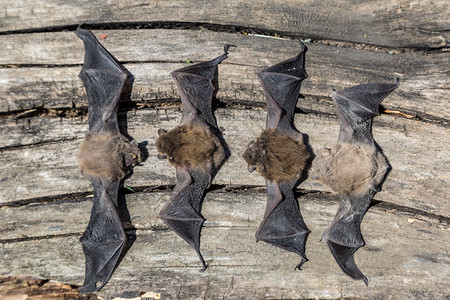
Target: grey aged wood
49, 147
419, 24
45, 202
409, 261
157, 52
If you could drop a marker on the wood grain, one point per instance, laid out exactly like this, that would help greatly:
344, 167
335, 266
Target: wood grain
418, 24
155, 53
47, 148
412, 252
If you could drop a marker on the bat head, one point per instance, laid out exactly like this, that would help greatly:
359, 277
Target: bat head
277, 157
108, 156
190, 146
350, 168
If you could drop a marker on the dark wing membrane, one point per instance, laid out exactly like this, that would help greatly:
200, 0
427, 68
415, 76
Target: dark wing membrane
281, 84
182, 213
283, 225
197, 85
102, 241
357, 106
104, 79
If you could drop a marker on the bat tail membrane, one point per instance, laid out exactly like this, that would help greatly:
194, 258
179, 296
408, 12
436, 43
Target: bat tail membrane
182, 213
283, 225
103, 240
344, 237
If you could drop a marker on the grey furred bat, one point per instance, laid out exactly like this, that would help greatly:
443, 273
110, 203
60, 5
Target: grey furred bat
105, 158
194, 148
280, 155
355, 168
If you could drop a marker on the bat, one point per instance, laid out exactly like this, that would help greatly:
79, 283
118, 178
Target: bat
281, 156
195, 148
105, 158
355, 168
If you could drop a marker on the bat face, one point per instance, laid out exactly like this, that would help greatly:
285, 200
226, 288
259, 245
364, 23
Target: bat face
277, 157
107, 156
191, 146
350, 168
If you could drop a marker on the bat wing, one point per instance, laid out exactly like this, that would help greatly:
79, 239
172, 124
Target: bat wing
197, 84
344, 236
357, 106
105, 80
104, 237
281, 84
182, 212
283, 225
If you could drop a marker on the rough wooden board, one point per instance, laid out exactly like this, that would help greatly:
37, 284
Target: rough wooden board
411, 147
424, 77
412, 252
400, 24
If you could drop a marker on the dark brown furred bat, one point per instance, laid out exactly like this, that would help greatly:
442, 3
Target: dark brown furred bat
280, 155
105, 158
194, 148
355, 168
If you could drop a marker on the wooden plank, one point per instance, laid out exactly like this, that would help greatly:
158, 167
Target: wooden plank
424, 77
400, 24
412, 252
417, 151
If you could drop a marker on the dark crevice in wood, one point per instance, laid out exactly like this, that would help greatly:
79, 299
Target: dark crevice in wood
37, 238
325, 197
216, 27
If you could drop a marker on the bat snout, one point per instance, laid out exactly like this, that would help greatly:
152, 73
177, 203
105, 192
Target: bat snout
161, 156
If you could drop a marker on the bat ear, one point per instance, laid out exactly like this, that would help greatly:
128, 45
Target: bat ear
161, 131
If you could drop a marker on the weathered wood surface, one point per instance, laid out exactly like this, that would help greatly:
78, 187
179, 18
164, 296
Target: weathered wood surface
158, 52
405, 258
45, 202
48, 147
419, 24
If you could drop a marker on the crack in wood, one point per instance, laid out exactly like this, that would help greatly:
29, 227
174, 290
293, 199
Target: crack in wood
321, 196
217, 27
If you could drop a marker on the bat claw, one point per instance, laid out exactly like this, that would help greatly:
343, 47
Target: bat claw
303, 260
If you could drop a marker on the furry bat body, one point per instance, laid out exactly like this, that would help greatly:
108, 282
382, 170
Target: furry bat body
105, 158
194, 149
280, 155
354, 168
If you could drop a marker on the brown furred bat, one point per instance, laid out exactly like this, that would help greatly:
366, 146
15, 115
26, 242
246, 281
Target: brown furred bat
355, 168
194, 148
280, 155
105, 158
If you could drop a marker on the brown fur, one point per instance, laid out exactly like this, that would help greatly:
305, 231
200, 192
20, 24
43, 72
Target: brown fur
107, 156
350, 168
277, 157
191, 146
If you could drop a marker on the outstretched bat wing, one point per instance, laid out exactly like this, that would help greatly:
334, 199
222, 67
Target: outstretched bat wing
105, 158
103, 239
355, 168
280, 155
357, 106
194, 148
197, 84
104, 79
281, 84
